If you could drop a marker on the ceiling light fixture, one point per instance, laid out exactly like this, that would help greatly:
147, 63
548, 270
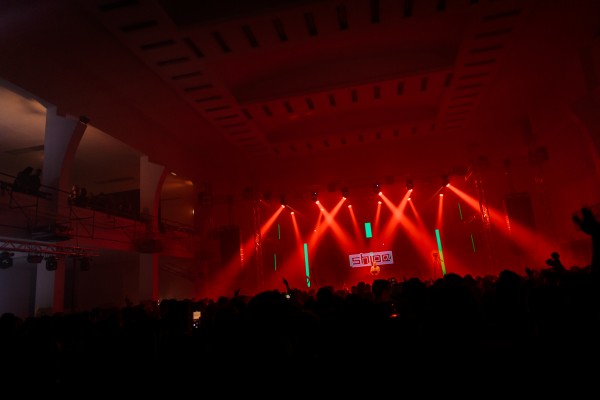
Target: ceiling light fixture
51, 263
6, 260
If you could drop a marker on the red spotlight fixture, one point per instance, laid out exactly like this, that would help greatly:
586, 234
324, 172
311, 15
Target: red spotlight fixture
445, 180
345, 193
409, 184
282, 201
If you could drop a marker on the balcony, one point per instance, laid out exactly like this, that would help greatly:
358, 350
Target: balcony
52, 218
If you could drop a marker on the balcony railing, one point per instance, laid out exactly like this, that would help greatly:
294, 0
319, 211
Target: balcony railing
49, 216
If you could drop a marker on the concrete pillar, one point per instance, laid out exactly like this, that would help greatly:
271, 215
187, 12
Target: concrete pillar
50, 288
152, 177
62, 137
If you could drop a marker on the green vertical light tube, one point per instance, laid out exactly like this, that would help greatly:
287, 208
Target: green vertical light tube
439, 244
279, 231
460, 211
275, 261
368, 231
306, 265
473, 243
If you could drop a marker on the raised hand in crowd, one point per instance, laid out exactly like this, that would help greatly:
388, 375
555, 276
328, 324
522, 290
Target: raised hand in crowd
588, 223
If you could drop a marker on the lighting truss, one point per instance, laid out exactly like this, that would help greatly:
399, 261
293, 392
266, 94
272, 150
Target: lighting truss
24, 246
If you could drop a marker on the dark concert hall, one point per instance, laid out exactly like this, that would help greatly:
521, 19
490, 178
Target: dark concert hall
300, 185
